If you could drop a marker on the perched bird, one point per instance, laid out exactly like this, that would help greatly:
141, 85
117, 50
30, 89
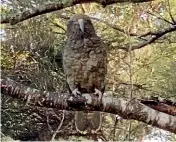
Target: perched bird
85, 66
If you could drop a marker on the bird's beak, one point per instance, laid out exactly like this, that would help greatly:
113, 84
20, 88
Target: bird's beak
81, 24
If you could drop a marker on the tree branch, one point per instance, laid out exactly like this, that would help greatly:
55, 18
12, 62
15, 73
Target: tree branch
152, 39
161, 106
58, 128
169, 11
126, 108
113, 26
19, 17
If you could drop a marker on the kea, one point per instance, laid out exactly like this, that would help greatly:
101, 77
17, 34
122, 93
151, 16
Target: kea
85, 66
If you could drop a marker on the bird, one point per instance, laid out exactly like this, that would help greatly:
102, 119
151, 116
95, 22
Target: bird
85, 67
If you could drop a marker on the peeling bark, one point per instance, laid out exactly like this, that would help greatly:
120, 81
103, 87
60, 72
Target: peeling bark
126, 108
14, 19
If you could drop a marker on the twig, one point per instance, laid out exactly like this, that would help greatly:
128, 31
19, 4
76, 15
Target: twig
7, 114
161, 18
115, 124
55, 114
169, 11
49, 127
113, 26
131, 82
59, 26
154, 37
55, 133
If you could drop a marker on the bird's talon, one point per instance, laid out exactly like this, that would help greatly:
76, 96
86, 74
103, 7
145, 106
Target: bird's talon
76, 92
99, 93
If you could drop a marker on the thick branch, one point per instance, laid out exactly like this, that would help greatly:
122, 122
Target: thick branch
126, 108
19, 17
154, 37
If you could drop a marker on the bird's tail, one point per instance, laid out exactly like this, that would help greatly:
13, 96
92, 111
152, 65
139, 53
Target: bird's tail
88, 122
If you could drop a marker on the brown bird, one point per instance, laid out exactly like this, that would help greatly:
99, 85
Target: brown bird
85, 66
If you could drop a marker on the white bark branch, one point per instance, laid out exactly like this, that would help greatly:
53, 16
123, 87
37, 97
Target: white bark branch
126, 108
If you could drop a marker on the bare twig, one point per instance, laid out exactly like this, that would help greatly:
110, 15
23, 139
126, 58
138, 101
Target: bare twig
59, 26
161, 18
55, 114
58, 128
113, 26
131, 82
49, 127
169, 11
117, 119
154, 37
7, 114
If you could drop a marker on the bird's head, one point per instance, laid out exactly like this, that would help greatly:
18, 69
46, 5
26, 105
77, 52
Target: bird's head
80, 25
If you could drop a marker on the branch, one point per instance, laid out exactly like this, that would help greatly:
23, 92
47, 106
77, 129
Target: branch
162, 107
161, 18
59, 26
126, 108
169, 11
19, 17
113, 26
58, 128
156, 100
154, 37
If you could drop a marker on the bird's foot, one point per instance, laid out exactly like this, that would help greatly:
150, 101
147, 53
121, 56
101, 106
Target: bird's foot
99, 93
76, 92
